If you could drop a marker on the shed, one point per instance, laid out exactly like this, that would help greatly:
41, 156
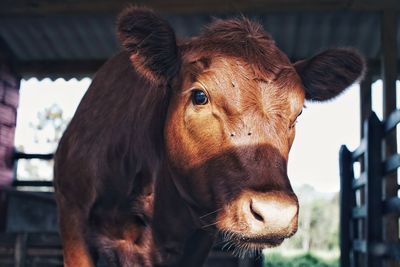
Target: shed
41, 38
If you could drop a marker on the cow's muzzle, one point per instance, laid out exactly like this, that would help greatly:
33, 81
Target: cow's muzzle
261, 219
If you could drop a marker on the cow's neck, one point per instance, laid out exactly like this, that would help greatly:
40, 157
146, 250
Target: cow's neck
178, 240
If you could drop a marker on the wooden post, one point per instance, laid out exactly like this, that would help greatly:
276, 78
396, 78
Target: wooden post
365, 112
373, 188
365, 101
389, 76
20, 250
346, 205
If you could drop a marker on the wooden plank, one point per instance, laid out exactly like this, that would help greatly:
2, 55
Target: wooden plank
391, 164
32, 183
359, 212
391, 121
360, 150
21, 155
44, 252
387, 250
358, 183
37, 240
394, 252
30, 249
378, 249
360, 246
391, 205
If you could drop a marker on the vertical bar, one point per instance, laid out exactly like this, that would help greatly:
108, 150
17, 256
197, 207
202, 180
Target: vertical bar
389, 60
20, 250
346, 178
365, 101
389, 75
365, 112
373, 189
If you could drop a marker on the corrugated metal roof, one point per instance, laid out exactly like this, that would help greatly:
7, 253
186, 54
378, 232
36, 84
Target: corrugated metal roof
59, 37
88, 38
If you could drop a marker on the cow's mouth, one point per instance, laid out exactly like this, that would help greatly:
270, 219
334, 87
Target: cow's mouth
248, 244
262, 242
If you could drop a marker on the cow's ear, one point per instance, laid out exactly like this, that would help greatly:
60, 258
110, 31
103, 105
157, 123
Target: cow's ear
327, 74
151, 42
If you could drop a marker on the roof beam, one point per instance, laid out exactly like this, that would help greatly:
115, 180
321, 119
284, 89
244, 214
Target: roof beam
46, 7
86, 68
58, 68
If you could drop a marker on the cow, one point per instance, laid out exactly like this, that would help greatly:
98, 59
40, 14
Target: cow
177, 142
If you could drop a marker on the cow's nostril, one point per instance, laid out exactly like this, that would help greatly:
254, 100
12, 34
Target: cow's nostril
255, 213
271, 213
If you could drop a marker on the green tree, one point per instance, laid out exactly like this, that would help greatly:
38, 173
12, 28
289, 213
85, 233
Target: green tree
49, 126
318, 227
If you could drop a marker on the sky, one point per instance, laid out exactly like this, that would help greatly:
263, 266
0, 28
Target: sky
313, 160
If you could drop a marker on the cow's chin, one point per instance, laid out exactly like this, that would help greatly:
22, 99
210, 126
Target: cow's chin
252, 242
242, 245
244, 242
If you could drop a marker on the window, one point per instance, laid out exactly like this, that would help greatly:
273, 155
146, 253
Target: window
44, 111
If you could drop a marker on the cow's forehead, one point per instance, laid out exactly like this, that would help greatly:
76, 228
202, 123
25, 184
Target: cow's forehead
241, 39
231, 73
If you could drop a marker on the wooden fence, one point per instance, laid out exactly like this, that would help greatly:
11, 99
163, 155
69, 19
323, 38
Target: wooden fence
366, 208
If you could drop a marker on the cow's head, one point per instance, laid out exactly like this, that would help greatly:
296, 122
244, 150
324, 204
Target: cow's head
234, 101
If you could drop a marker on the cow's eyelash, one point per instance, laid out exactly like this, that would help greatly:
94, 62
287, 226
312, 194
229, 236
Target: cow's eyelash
298, 115
293, 124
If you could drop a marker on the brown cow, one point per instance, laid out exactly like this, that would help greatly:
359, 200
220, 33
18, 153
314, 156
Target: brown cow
176, 142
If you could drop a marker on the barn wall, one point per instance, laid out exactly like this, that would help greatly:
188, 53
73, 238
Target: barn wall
9, 98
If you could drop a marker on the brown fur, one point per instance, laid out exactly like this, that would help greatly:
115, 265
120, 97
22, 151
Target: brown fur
151, 42
145, 177
326, 74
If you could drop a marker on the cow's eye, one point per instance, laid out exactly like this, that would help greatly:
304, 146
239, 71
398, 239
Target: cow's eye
199, 97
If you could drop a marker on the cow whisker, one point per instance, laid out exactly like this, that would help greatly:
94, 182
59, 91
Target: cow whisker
228, 245
208, 214
237, 248
211, 224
